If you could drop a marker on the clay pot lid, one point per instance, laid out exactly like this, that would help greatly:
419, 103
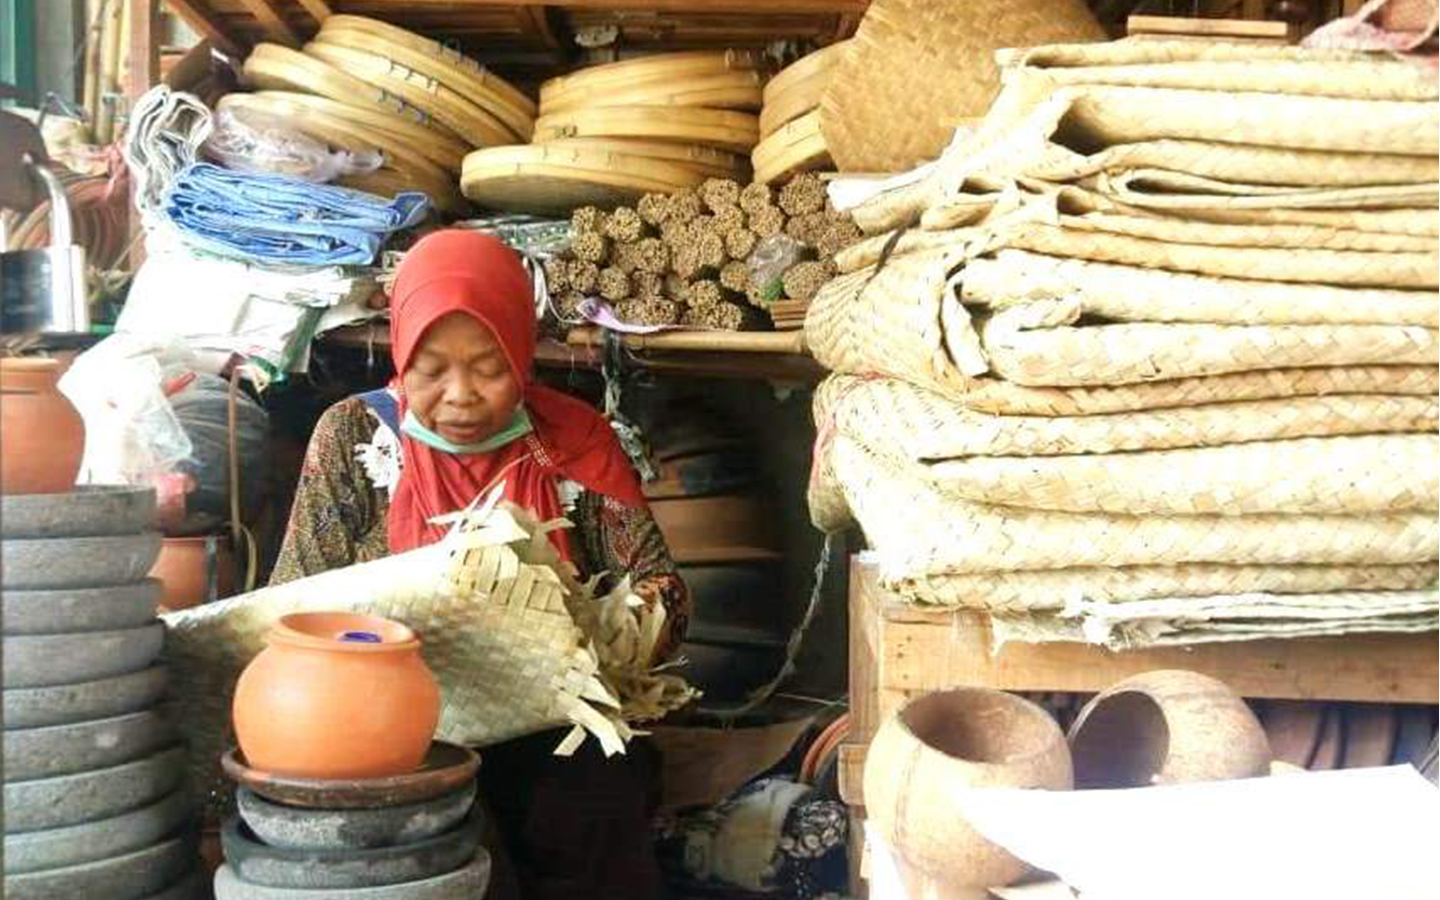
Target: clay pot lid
446, 767
348, 632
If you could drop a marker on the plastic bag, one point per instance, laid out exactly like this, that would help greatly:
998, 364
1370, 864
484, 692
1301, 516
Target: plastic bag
770, 260
254, 142
202, 406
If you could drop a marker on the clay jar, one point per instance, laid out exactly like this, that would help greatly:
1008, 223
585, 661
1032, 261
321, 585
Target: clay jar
194, 570
336, 695
924, 756
1166, 727
43, 434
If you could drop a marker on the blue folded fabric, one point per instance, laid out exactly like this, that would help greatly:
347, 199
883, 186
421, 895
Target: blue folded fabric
281, 220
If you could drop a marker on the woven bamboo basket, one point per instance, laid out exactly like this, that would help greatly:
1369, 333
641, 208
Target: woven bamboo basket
1409, 270
446, 151
457, 64
271, 67
471, 122
737, 89
796, 147
713, 163
720, 128
1053, 590
1133, 294
517, 645
798, 88
1039, 344
595, 81
1320, 476
557, 179
904, 421
1103, 115
917, 532
874, 117
404, 169
472, 84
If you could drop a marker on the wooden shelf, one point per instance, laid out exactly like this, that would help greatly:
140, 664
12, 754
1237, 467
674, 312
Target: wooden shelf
767, 355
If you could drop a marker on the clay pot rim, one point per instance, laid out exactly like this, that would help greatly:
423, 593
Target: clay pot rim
902, 722
287, 630
29, 363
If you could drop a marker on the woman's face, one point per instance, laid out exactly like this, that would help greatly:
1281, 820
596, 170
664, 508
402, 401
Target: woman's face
459, 384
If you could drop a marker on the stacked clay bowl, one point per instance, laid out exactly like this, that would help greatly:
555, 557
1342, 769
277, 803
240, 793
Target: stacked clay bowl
94, 801
790, 138
364, 85
414, 836
608, 134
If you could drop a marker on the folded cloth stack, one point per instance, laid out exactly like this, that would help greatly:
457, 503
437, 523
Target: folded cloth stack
280, 220
1158, 364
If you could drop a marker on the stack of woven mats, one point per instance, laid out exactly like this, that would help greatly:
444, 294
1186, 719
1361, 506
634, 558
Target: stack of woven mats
1150, 356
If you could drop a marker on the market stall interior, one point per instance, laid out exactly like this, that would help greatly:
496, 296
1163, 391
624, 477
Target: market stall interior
999, 422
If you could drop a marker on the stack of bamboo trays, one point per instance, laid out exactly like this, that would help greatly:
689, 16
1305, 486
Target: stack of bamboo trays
686, 259
790, 138
1165, 374
365, 84
609, 134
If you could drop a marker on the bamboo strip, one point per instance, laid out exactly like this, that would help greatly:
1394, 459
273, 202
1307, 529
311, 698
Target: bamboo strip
447, 152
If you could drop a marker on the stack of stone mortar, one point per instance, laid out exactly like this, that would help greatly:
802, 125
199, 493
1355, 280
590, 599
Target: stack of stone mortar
427, 850
685, 259
95, 804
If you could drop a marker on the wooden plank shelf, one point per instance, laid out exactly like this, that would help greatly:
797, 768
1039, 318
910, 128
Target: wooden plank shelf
763, 355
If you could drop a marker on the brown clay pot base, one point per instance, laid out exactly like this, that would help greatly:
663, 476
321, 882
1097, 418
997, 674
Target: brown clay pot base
87, 511
260, 864
446, 768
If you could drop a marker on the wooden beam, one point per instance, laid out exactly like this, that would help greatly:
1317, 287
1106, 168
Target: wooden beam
319, 10
536, 20
275, 27
192, 69
143, 63
198, 15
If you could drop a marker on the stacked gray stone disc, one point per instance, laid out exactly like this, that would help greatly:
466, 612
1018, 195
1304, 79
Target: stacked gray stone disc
424, 850
95, 804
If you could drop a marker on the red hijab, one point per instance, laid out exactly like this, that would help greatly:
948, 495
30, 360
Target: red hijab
462, 271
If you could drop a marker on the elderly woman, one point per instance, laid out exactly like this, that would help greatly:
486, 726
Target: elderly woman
462, 415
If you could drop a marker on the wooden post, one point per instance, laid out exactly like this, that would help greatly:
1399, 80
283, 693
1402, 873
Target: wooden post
142, 74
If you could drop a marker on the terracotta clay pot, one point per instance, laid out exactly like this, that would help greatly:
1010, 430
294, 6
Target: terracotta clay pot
194, 570
1170, 726
44, 437
919, 761
336, 695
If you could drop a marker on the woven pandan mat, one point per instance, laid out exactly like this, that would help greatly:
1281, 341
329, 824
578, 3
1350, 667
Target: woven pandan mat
1322, 476
1134, 294
1055, 589
1040, 344
917, 532
902, 420
1179, 190
915, 68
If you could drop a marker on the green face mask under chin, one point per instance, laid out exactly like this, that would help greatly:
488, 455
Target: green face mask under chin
519, 427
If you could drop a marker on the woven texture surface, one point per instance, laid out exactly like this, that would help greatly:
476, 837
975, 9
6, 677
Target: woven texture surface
905, 421
1324, 476
874, 118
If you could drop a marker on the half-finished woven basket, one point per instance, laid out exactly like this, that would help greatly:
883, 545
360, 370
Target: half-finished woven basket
915, 68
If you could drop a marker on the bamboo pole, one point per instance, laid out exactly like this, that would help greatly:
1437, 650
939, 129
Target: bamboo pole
92, 37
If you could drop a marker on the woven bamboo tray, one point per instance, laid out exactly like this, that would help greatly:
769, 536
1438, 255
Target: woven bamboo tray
458, 64
471, 122
796, 147
798, 88
916, 532
1038, 344
713, 163
738, 89
445, 151
1051, 590
404, 167
271, 67
904, 421
594, 81
721, 128
1321, 476
916, 67
474, 85
541, 177
1134, 294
